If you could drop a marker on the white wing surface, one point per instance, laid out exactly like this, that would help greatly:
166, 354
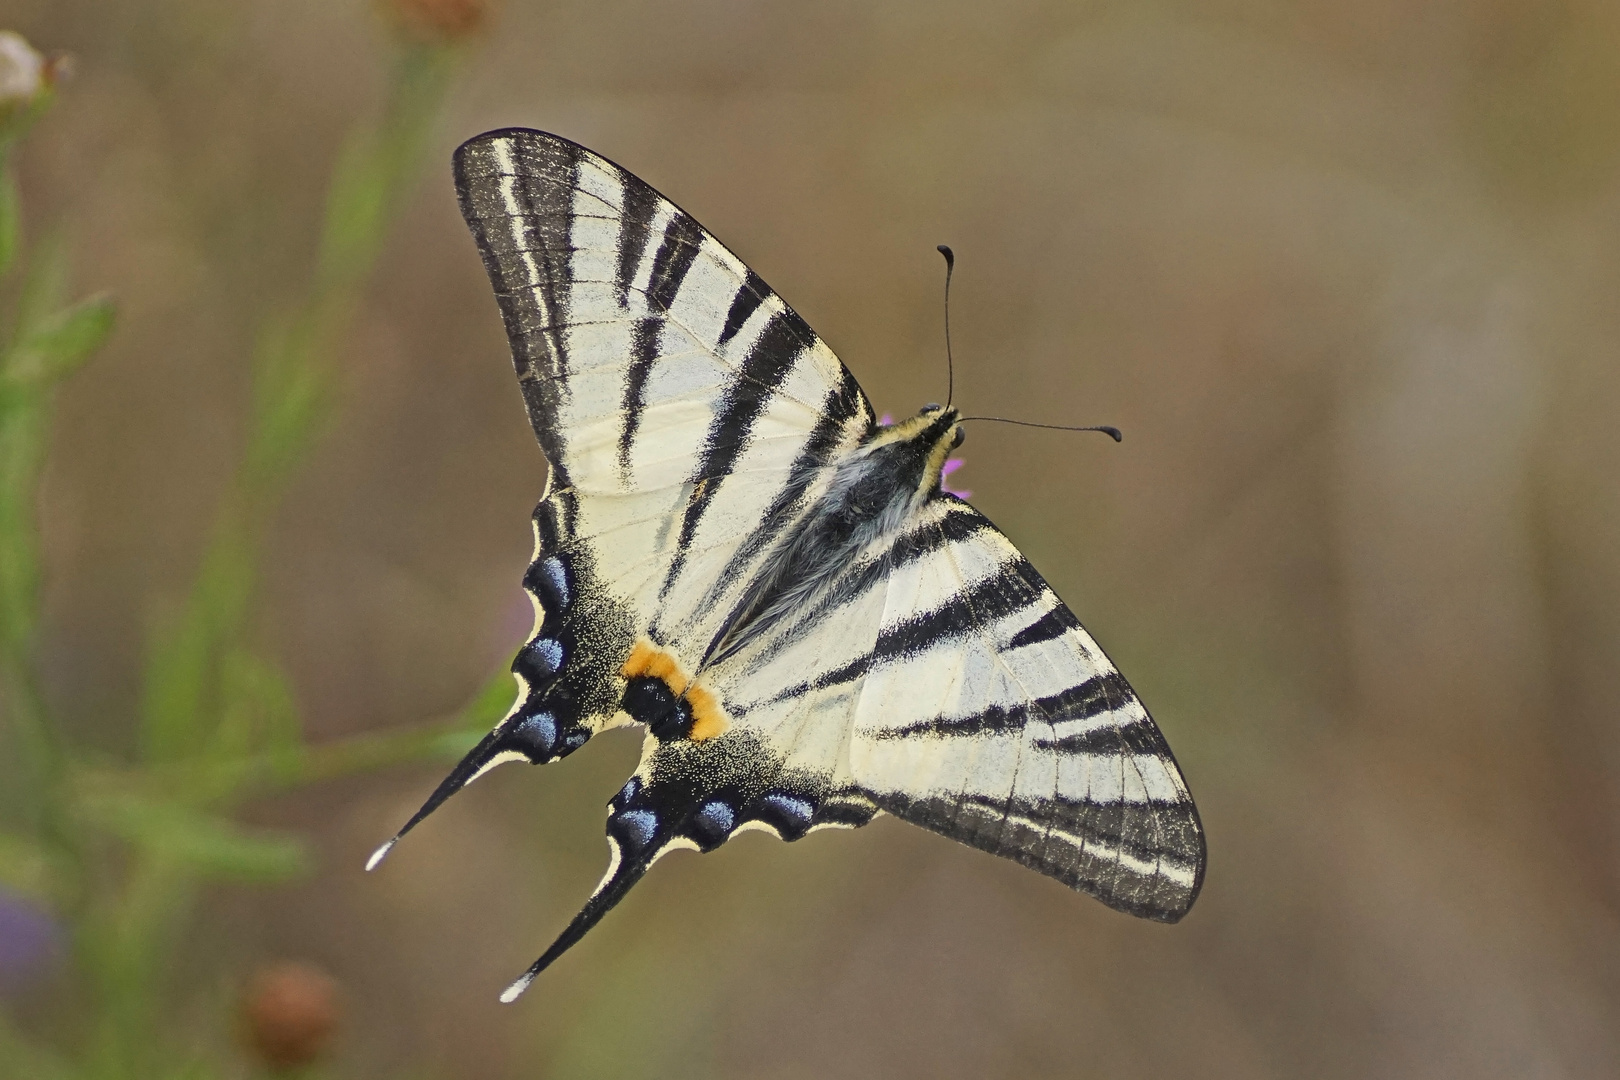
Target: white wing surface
703, 442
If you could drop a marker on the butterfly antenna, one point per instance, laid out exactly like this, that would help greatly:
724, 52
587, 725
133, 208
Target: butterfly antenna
950, 365
1111, 432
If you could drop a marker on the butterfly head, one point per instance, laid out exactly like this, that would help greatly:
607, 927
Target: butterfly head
912, 452
935, 410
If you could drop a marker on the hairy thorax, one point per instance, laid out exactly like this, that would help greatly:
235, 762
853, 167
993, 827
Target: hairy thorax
871, 494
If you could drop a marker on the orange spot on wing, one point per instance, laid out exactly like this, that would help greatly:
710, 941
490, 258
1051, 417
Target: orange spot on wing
708, 718
708, 715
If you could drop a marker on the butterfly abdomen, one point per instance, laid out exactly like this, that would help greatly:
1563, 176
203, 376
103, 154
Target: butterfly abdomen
733, 552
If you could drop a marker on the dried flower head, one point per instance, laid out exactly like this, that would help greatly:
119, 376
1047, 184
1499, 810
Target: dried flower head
437, 20
24, 73
289, 1014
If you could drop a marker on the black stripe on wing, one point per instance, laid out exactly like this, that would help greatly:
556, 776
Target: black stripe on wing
645, 340
1148, 862
769, 361
676, 252
1098, 694
750, 295
958, 523
521, 216
635, 230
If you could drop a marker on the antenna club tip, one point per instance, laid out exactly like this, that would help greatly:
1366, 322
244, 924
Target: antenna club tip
515, 991
945, 250
1113, 432
380, 854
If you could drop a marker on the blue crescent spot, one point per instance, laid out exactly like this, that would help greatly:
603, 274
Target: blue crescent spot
557, 575
539, 730
799, 809
549, 652
638, 826
717, 817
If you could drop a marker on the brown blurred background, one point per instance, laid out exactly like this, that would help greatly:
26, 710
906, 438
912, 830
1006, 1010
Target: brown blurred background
1344, 273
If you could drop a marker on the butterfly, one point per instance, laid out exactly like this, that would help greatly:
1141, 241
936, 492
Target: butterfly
732, 552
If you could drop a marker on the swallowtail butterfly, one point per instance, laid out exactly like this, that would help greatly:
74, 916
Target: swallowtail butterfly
734, 553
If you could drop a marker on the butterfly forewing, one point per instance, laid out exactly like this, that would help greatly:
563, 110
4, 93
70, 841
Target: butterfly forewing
695, 427
675, 395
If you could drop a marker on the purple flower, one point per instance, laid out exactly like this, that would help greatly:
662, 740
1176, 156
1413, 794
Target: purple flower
29, 940
951, 465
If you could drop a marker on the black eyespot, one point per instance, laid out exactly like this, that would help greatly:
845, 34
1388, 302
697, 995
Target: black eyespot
959, 438
650, 701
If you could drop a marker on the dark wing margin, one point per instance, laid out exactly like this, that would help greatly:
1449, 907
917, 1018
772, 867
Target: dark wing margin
517, 196
1030, 744
686, 412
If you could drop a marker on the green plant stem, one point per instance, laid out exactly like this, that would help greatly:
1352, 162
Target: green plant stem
257, 775
218, 722
293, 397
188, 705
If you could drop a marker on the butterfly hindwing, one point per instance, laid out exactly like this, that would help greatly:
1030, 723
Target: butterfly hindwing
732, 552
991, 716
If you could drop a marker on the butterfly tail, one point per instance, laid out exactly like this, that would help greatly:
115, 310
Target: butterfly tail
527, 735
637, 838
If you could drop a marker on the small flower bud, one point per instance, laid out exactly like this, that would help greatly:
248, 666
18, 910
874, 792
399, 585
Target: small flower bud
437, 20
289, 1014
24, 74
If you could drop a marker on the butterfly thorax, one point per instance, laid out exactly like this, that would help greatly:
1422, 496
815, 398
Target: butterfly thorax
874, 643
871, 494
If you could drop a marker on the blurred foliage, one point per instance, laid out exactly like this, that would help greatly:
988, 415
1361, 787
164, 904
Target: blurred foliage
118, 850
1344, 273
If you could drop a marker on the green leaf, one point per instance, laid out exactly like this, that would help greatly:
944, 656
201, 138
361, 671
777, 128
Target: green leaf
44, 287
181, 688
493, 702
23, 429
57, 345
258, 721
10, 220
25, 867
213, 846
20, 1056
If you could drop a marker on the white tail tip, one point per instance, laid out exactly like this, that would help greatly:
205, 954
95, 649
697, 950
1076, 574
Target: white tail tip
513, 992
381, 853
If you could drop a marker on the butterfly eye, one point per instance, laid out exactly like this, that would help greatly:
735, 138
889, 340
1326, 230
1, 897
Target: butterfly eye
932, 406
959, 438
